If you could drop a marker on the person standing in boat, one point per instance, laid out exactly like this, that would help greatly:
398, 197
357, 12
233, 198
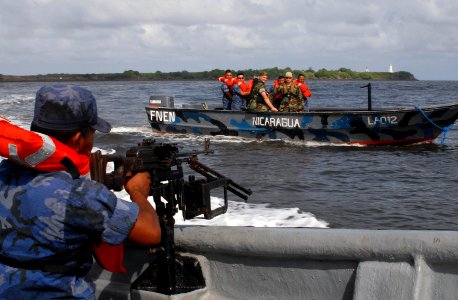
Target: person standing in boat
240, 91
259, 97
306, 93
226, 88
291, 96
52, 219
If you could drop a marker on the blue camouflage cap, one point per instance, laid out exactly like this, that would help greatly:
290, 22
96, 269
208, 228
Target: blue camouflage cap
67, 107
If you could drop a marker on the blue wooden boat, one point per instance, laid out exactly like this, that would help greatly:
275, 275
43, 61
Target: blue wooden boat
336, 126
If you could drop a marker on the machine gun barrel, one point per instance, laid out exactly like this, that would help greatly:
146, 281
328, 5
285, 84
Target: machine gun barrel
206, 150
211, 173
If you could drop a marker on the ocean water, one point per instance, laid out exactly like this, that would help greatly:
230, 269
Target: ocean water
295, 184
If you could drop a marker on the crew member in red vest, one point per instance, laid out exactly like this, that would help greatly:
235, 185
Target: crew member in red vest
240, 80
300, 82
240, 92
226, 88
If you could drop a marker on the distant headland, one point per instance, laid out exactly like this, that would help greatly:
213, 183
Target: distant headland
310, 74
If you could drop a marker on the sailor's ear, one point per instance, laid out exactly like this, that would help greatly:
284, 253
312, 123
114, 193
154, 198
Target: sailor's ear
76, 141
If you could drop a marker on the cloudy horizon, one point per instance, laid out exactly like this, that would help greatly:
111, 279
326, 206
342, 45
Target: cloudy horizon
50, 36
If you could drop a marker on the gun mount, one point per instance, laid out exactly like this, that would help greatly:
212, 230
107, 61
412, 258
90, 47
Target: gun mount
193, 197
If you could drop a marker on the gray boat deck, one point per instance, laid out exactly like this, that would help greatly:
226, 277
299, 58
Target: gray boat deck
304, 263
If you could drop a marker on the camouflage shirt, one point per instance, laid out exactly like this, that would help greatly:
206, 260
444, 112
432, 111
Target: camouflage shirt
292, 99
257, 103
45, 215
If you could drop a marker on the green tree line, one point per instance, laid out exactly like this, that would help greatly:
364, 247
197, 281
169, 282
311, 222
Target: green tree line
310, 74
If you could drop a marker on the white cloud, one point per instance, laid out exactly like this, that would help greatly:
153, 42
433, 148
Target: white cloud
85, 36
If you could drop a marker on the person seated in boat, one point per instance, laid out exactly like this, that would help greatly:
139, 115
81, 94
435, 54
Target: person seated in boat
226, 88
306, 93
291, 96
259, 97
52, 219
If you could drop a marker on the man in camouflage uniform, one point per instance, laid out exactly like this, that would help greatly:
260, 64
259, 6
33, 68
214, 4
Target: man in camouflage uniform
49, 220
260, 101
292, 98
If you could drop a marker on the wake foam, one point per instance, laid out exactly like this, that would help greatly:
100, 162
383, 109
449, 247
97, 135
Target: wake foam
248, 214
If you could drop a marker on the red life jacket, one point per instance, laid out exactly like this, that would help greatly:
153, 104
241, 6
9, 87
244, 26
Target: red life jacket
243, 85
228, 82
37, 150
44, 153
250, 84
246, 87
304, 89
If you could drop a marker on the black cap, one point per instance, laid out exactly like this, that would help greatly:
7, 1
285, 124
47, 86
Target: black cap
67, 107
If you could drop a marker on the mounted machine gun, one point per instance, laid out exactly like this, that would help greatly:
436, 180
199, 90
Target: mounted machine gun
192, 197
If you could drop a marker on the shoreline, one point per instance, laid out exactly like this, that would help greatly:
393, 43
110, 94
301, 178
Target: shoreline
48, 79
322, 74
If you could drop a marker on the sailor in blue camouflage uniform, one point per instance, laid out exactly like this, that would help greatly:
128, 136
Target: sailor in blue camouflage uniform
48, 221
227, 90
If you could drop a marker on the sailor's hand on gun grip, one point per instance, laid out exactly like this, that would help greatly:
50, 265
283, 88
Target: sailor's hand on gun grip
139, 183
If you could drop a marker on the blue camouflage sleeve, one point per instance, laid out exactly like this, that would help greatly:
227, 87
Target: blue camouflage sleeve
237, 89
93, 207
225, 88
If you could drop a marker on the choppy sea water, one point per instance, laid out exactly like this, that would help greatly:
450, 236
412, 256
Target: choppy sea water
296, 184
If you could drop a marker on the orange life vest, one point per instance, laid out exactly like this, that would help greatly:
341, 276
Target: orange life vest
304, 89
228, 82
243, 85
37, 150
250, 84
44, 153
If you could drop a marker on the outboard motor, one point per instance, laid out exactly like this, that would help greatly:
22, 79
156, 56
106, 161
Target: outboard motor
161, 101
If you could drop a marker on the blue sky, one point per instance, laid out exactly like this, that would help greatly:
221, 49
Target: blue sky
95, 36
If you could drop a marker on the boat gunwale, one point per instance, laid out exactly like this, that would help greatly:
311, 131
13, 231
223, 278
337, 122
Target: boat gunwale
315, 111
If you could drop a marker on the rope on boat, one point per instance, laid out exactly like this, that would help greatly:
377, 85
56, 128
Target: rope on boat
444, 129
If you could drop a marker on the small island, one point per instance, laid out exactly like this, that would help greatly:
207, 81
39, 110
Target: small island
310, 74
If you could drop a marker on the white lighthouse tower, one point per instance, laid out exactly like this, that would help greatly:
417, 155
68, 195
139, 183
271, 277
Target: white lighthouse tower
390, 68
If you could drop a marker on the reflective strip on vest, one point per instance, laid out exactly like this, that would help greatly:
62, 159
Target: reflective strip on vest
39, 156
